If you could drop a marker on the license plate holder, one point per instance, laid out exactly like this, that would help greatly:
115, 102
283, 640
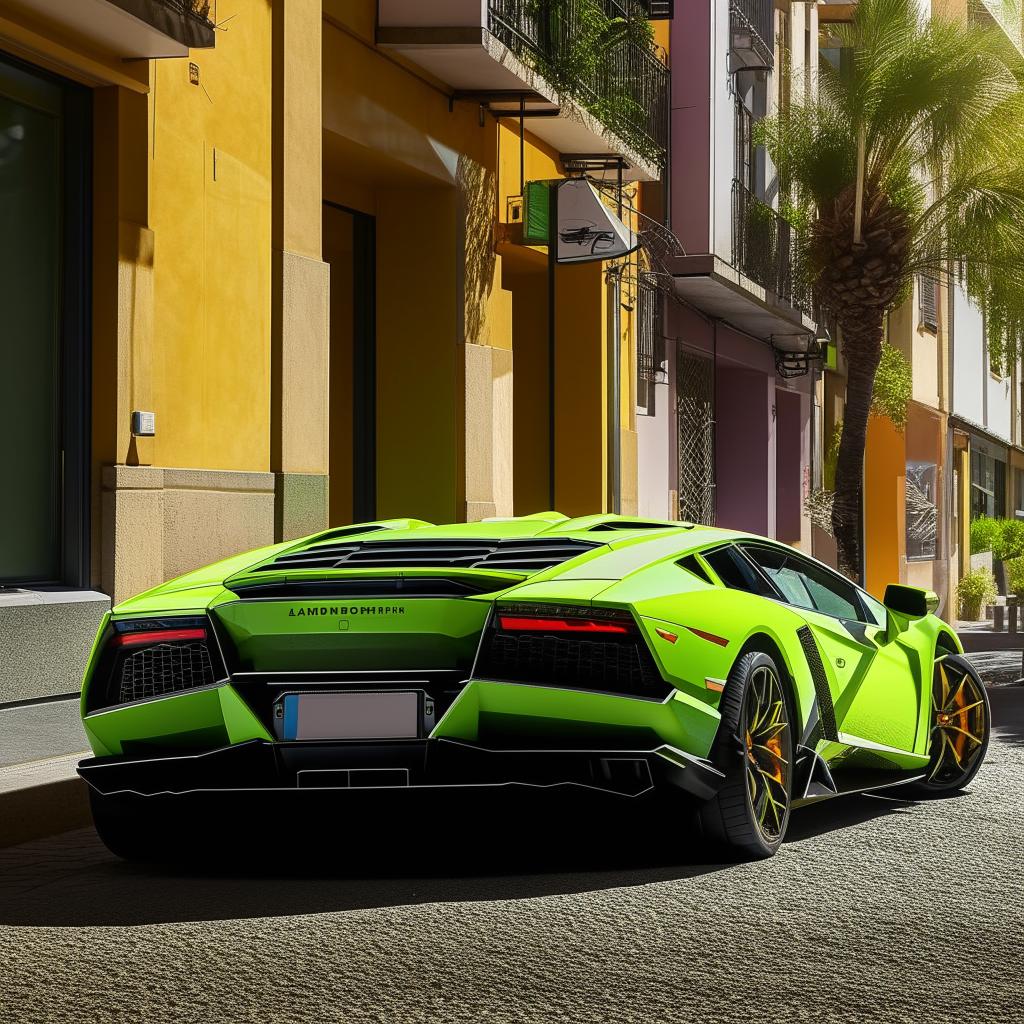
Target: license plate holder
350, 715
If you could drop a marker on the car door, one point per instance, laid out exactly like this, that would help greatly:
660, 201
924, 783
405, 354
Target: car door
875, 693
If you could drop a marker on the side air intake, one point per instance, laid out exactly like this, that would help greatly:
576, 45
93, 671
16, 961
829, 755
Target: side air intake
826, 709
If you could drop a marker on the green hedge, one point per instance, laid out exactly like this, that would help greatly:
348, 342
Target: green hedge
1003, 537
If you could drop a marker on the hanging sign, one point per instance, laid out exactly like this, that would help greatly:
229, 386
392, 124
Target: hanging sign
587, 229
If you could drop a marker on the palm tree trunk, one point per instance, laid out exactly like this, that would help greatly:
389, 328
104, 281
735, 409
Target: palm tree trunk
862, 343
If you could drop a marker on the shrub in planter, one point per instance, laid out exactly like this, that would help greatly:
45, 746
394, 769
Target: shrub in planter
1010, 543
1015, 576
974, 591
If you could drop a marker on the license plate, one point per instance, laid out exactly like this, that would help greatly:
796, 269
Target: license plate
351, 716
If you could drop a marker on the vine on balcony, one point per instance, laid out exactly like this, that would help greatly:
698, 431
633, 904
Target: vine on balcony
587, 35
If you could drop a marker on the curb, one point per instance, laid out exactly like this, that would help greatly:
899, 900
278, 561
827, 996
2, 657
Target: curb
42, 798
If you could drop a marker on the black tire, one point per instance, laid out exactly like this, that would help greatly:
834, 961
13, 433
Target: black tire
749, 814
961, 724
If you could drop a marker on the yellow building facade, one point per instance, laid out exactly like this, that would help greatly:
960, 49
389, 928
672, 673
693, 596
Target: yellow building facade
305, 293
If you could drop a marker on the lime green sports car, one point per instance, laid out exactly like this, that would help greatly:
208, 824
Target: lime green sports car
644, 661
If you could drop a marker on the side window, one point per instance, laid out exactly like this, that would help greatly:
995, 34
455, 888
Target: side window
808, 585
789, 583
736, 572
876, 610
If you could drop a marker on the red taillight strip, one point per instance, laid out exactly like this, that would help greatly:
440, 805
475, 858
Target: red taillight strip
711, 637
157, 636
532, 624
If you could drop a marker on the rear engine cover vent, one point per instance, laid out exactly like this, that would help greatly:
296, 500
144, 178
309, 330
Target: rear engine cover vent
520, 555
619, 526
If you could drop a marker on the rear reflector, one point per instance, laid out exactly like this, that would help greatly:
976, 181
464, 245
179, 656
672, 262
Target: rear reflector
157, 636
720, 641
523, 624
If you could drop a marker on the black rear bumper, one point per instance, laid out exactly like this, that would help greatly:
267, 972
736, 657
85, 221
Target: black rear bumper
412, 764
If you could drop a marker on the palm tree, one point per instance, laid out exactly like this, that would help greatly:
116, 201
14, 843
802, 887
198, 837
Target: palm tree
909, 160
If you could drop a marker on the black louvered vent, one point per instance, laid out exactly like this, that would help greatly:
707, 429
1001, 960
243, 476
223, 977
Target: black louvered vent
614, 664
529, 555
165, 668
660, 10
826, 710
928, 300
627, 525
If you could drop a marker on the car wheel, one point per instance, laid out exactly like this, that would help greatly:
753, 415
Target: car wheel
961, 721
750, 812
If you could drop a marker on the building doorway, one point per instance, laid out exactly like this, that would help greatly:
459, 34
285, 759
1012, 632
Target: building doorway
350, 247
45, 199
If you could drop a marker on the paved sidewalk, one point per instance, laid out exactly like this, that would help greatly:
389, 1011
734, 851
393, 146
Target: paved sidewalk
40, 791
35, 732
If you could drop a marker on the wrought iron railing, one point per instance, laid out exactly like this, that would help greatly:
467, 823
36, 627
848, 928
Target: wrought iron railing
649, 357
625, 86
767, 248
203, 11
759, 17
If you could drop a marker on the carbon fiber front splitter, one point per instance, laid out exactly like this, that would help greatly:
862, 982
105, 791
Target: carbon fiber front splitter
409, 764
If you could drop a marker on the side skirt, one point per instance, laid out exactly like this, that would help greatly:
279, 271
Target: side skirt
857, 780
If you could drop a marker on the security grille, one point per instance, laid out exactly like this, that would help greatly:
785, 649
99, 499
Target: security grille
695, 423
648, 347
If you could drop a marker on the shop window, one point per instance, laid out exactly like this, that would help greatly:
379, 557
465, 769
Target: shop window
988, 485
44, 245
922, 510
1018, 493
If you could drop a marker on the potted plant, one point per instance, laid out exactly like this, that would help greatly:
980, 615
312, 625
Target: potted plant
975, 591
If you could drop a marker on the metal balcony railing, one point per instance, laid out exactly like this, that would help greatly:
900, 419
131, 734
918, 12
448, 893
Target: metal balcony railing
767, 248
625, 86
755, 18
202, 11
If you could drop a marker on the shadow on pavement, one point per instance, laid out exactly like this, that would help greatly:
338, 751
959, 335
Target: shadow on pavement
456, 856
454, 853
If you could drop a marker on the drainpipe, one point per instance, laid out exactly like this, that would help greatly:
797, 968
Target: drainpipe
552, 319
615, 389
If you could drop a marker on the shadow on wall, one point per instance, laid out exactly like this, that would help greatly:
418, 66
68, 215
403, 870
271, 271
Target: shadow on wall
476, 189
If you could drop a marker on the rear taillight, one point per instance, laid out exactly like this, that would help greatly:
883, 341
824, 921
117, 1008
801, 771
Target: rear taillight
573, 647
157, 636
147, 658
537, 618
546, 624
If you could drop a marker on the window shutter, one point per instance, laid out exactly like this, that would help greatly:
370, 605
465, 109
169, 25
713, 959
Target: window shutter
928, 301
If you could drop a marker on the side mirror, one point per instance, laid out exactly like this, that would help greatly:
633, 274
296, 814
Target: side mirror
910, 601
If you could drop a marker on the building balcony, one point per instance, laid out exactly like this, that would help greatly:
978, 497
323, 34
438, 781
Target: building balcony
127, 29
765, 247
758, 291
510, 52
752, 33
